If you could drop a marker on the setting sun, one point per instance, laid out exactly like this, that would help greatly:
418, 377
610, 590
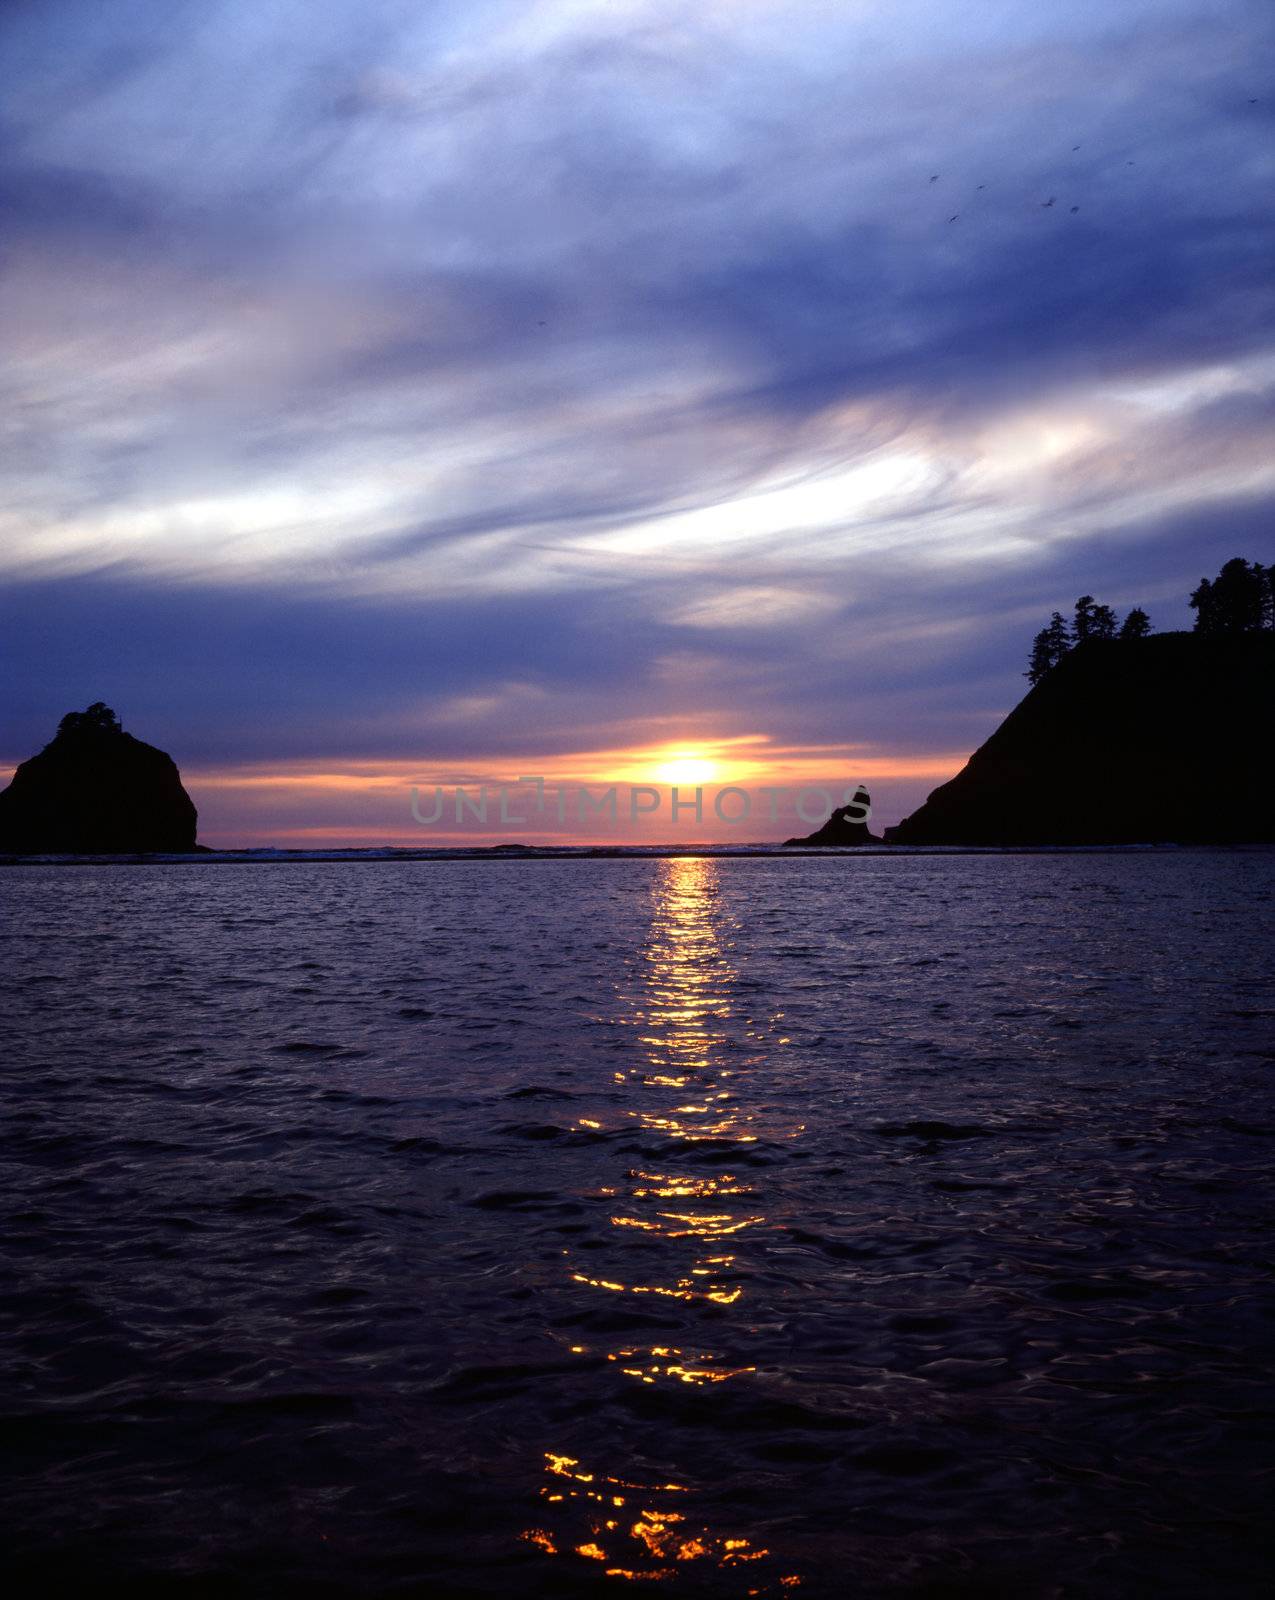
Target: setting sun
687, 770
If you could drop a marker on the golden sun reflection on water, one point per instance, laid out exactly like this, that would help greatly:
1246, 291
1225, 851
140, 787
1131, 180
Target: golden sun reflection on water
681, 1090
637, 1535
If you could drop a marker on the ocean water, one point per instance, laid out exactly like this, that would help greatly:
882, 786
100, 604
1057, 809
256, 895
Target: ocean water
710, 1227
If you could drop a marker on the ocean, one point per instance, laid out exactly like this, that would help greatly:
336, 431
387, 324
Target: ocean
706, 1225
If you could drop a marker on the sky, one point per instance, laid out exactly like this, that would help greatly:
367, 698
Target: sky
422, 393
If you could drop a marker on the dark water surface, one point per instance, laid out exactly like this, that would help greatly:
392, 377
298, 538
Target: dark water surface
752, 1227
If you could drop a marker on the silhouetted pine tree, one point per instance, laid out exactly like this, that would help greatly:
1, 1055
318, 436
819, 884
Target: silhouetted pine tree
1201, 603
1050, 645
1092, 620
99, 718
1137, 625
1238, 600
1104, 623
1039, 661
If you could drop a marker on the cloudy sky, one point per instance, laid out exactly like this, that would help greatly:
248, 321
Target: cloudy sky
399, 391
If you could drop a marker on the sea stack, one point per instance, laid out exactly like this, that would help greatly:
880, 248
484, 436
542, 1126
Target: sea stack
1161, 740
96, 790
846, 826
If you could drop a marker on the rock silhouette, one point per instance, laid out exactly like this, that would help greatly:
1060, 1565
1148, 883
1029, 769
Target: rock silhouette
846, 826
96, 789
1159, 740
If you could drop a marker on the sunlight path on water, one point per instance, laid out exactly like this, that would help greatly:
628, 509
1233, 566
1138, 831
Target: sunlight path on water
688, 1087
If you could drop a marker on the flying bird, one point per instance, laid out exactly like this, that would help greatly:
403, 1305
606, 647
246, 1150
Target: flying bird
953, 218
1045, 204
982, 186
1074, 210
935, 178
1074, 148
